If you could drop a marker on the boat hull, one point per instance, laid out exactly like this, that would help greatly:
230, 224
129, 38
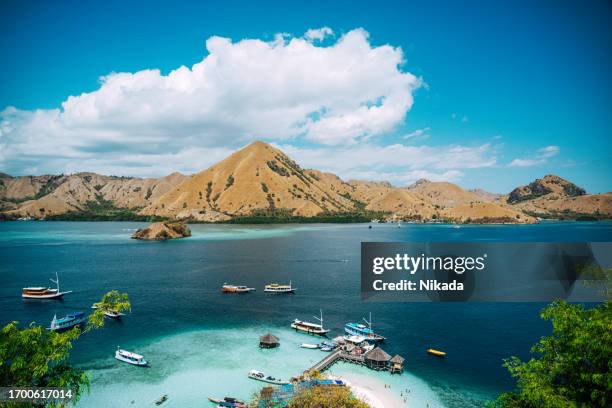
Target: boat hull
309, 330
368, 336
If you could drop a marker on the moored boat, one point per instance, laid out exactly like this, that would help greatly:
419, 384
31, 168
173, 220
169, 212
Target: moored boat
279, 288
113, 314
259, 376
161, 399
311, 328
227, 288
41, 292
365, 330
67, 322
436, 353
130, 358
309, 346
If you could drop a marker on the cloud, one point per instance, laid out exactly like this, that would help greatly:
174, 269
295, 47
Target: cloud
397, 163
541, 157
319, 34
418, 133
283, 90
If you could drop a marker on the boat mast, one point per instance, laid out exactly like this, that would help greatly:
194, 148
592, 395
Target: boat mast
370, 322
56, 281
320, 319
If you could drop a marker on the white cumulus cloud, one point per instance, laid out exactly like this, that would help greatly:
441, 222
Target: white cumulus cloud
541, 157
318, 34
288, 88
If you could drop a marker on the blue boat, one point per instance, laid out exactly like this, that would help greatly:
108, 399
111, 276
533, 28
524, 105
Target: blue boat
365, 330
67, 322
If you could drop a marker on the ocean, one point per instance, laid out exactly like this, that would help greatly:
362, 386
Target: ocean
201, 342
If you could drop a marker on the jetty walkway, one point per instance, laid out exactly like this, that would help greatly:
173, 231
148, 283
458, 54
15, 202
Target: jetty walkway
332, 358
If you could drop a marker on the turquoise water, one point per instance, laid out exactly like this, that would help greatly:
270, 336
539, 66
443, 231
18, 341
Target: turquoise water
201, 342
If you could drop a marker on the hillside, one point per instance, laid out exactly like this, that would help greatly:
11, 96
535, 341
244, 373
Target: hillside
555, 197
259, 183
257, 178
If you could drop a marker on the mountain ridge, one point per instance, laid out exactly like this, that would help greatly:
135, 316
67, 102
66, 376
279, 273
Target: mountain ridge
260, 180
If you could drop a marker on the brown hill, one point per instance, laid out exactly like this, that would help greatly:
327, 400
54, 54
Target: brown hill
255, 178
555, 197
43, 196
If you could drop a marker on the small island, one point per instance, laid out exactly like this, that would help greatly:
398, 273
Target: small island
161, 231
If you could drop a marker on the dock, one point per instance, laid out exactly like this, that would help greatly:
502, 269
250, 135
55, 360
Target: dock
335, 356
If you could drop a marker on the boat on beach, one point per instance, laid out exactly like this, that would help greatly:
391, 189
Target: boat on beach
365, 330
130, 358
227, 288
228, 402
311, 328
259, 376
279, 288
67, 322
41, 292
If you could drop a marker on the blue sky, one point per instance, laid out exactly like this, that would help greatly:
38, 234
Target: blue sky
487, 94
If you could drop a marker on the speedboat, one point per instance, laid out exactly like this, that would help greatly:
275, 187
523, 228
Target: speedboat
279, 288
228, 402
365, 330
354, 339
41, 292
227, 288
259, 376
67, 322
309, 346
113, 314
311, 328
130, 358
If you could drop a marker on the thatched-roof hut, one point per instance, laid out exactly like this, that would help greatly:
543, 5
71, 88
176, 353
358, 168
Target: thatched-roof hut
268, 341
377, 359
397, 364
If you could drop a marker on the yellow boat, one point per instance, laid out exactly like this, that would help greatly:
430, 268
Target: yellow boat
436, 353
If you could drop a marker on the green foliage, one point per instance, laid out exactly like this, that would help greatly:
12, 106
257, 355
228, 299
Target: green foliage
284, 216
326, 397
37, 357
572, 366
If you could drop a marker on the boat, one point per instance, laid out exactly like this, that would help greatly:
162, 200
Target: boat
228, 402
227, 288
67, 322
41, 292
161, 399
355, 339
130, 358
309, 346
326, 348
259, 376
365, 330
436, 353
367, 346
278, 288
113, 314
311, 328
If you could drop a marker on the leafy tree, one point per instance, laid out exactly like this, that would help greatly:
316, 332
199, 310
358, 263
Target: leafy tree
573, 365
37, 357
326, 397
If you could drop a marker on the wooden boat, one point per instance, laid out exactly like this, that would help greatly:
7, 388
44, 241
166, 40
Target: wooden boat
278, 288
130, 358
311, 328
41, 292
67, 322
365, 330
436, 353
259, 376
227, 288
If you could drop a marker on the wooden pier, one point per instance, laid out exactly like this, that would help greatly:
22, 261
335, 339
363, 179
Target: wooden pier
332, 358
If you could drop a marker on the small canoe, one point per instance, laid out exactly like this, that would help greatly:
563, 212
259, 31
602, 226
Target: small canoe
436, 353
162, 399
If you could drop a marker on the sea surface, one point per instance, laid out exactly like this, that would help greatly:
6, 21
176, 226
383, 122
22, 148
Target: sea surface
201, 342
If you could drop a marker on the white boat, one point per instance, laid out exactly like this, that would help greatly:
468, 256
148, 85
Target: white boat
359, 329
41, 292
309, 346
227, 288
130, 358
113, 314
311, 328
259, 376
355, 339
278, 288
